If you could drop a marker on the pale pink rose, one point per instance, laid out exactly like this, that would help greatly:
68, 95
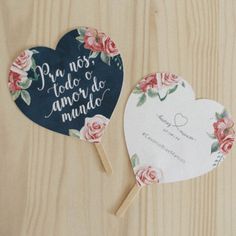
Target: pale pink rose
23, 61
15, 77
109, 47
222, 128
94, 128
93, 40
168, 79
148, 82
147, 175
226, 144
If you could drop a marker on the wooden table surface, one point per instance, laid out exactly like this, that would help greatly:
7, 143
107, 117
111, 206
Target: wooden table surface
52, 185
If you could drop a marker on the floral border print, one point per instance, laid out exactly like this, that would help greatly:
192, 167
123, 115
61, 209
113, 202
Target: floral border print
92, 130
145, 175
19, 79
223, 136
151, 85
99, 44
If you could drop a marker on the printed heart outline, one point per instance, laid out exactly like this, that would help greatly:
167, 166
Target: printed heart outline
144, 172
178, 118
106, 61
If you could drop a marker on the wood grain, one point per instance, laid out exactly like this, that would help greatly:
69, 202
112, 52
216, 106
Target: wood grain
51, 185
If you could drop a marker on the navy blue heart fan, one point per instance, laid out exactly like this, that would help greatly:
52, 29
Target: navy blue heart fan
73, 89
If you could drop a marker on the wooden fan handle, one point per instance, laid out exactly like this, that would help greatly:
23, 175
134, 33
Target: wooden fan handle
104, 159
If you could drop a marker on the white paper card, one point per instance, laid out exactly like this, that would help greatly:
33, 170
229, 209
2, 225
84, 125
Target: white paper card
171, 136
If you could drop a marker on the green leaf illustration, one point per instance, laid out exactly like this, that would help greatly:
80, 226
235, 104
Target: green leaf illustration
33, 64
162, 98
152, 93
79, 44
215, 147
81, 31
221, 115
211, 136
224, 113
36, 77
26, 84
33, 67
105, 58
173, 89
34, 51
74, 133
218, 116
25, 96
80, 38
137, 90
15, 95
134, 160
93, 54
142, 100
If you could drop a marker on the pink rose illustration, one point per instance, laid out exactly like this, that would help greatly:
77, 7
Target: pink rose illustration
226, 144
13, 81
18, 71
159, 85
23, 61
147, 175
94, 128
100, 45
110, 47
224, 133
148, 82
93, 40
15, 77
223, 128
168, 79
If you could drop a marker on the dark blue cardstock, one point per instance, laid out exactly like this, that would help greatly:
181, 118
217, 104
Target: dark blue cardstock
58, 89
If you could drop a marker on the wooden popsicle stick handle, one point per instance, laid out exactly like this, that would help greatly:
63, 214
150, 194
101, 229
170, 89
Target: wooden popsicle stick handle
128, 200
104, 159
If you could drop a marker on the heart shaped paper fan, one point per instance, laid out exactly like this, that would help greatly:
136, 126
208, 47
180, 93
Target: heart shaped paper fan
73, 89
170, 135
